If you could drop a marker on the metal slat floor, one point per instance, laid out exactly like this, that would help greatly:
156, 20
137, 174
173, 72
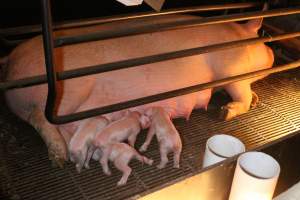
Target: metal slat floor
26, 173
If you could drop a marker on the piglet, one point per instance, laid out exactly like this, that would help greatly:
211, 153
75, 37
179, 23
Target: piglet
97, 155
167, 136
121, 154
80, 146
127, 128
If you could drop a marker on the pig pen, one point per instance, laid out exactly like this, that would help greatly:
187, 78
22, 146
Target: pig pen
273, 127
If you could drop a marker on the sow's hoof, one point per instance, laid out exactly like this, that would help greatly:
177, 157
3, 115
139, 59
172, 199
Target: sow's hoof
255, 100
57, 155
227, 112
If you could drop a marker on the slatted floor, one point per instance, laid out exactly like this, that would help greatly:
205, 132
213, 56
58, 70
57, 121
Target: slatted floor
26, 173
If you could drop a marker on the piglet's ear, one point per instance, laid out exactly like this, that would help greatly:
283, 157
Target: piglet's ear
255, 24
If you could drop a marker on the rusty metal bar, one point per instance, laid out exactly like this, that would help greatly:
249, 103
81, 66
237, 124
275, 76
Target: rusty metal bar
96, 21
136, 62
51, 105
68, 40
170, 94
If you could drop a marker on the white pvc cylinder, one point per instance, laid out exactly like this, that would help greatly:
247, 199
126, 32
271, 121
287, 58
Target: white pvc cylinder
220, 147
293, 193
255, 177
131, 2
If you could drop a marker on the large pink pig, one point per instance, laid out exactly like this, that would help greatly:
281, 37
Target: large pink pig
103, 89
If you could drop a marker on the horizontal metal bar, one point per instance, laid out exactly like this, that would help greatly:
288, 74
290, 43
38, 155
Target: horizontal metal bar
67, 40
170, 94
292, 45
9, 43
90, 22
35, 80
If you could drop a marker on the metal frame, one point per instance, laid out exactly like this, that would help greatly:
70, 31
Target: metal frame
49, 61
136, 62
96, 21
67, 40
52, 76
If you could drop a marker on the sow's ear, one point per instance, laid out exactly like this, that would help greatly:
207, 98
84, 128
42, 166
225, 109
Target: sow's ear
255, 24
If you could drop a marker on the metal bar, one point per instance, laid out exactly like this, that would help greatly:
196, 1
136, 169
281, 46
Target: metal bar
95, 21
9, 43
67, 40
35, 80
170, 94
291, 47
49, 59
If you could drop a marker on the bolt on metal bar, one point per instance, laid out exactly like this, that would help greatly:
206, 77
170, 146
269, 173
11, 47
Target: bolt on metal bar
49, 60
95, 21
136, 62
68, 40
170, 94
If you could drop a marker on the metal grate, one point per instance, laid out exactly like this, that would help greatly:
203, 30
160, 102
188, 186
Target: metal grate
26, 173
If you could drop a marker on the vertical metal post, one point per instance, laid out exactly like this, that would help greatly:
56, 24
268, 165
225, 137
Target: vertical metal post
47, 30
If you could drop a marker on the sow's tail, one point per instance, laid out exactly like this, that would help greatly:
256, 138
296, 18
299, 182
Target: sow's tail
3, 67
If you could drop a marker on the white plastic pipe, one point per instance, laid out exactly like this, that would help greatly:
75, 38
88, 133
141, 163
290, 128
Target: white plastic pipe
131, 2
220, 147
255, 177
292, 193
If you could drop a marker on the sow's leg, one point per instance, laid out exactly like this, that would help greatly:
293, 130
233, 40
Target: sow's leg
241, 95
255, 100
57, 148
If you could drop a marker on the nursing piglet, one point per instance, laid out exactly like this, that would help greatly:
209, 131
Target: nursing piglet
80, 147
126, 128
121, 154
167, 136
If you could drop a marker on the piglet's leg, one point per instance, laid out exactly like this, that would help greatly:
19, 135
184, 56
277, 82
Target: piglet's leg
174, 143
163, 156
78, 145
147, 142
122, 164
90, 152
132, 139
104, 160
242, 97
82, 140
66, 134
176, 157
142, 159
97, 155
57, 148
